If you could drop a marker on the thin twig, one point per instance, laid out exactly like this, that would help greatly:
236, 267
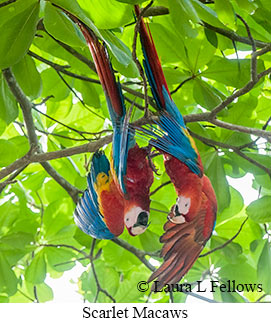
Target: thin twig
6, 3
227, 242
159, 187
262, 297
11, 179
137, 252
182, 83
99, 288
64, 246
253, 71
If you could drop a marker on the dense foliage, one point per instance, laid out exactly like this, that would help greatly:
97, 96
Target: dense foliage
53, 116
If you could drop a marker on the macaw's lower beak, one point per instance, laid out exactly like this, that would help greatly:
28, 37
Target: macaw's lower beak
141, 224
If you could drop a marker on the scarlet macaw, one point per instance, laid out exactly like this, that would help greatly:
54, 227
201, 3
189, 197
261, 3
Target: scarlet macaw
100, 211
131, 171
191, 220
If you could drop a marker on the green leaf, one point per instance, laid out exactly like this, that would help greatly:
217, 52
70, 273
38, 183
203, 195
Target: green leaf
264, 268
205, 94
22, 145
8, 104
36, 272
189, 9
131, 1
236, 205
260, 210
35, 181
58, 258
108, 14
10, 152
117, 47
241, 273
119, 258
8, 280
53, 85
74, 8
206, 14
179, 11
150, 241
130, 294
231, 72
43, 291
211, 37
28, 77
216, 173
89, 93
169, 46
17, 32
225, 12
198, 52
62, 27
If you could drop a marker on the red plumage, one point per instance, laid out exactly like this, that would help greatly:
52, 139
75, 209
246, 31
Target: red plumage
184, 242
112, 208
191, 220
137, 176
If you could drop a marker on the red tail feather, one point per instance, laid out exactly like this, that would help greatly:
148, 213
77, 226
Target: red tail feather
152, 57
103, 67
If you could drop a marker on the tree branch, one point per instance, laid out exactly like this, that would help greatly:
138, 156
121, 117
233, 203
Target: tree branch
236, 149
63, 69
160, 10
233, 36
26, 107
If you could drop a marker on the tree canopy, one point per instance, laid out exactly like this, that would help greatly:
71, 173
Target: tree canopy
216, 56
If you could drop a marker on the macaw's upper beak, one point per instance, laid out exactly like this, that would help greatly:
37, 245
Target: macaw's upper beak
175, 216
141, 224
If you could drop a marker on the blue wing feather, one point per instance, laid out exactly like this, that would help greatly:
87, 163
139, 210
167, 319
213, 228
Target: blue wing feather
123, 140
172, 139
87, 215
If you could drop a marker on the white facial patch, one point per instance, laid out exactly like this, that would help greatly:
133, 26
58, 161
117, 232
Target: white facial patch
184, 204
131, 216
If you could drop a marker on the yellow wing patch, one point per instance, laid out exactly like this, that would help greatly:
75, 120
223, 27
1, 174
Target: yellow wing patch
102, 182
192, 142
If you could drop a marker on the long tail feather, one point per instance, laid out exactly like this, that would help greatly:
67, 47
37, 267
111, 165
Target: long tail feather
152, 64
175, 139
123, 137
